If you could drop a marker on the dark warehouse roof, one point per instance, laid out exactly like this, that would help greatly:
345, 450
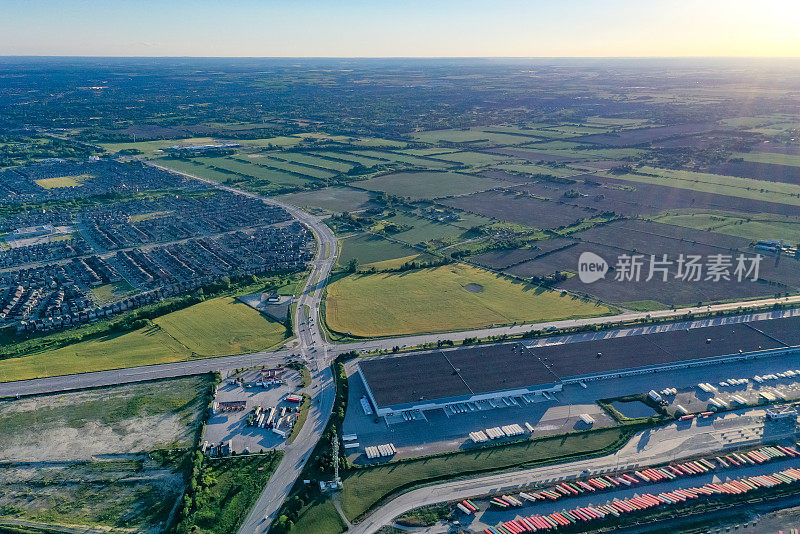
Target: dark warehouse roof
426, 376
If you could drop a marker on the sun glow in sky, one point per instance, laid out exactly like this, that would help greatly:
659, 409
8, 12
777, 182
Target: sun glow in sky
407, 28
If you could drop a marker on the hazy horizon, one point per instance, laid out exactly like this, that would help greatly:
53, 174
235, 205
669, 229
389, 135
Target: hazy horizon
415, 29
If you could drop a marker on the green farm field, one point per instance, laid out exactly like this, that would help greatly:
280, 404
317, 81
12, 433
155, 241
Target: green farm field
248, 176
217, 327
353, 158
755, 227
421, 185
475, 158
196, 169
332, 199
398, 158
781, 193
770, 157
252, 168
421, 229
481, 137
447, 298
369, 248
222, 326
310, 159
279, 162
569, 149
154, 148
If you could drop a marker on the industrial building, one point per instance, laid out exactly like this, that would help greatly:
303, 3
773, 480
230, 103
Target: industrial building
435, 379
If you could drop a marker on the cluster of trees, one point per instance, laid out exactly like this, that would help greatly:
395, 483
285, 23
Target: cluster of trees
18, 150
551, 279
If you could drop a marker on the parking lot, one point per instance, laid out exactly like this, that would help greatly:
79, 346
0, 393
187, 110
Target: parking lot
435, 431
731, 393
232, 426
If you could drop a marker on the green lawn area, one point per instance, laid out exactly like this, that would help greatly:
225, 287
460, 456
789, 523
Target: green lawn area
368, 248
420, 185
451, 297
63, 181
235, 484
770, 157
217, 327
643, 305
112, 292
222, 326
364, 488
319, 518
764, 231
782, 193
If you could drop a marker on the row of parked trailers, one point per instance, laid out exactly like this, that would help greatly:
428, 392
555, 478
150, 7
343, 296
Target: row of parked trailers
270, 417
659, 474
380, 451
653, 475
618, 507
498, 432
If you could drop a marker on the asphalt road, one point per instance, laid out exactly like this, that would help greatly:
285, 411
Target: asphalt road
312, 348
649, 447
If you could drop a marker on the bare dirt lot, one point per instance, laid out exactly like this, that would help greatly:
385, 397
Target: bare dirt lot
109, 458
81, 425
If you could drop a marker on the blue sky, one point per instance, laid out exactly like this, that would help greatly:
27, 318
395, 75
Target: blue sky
405, 28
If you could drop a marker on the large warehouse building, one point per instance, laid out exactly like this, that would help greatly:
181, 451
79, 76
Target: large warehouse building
435, 379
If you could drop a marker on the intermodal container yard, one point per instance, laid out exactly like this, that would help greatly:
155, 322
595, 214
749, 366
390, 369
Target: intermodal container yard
585, 500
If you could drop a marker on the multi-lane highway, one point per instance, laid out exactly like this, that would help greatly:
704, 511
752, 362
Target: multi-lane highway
318, 353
